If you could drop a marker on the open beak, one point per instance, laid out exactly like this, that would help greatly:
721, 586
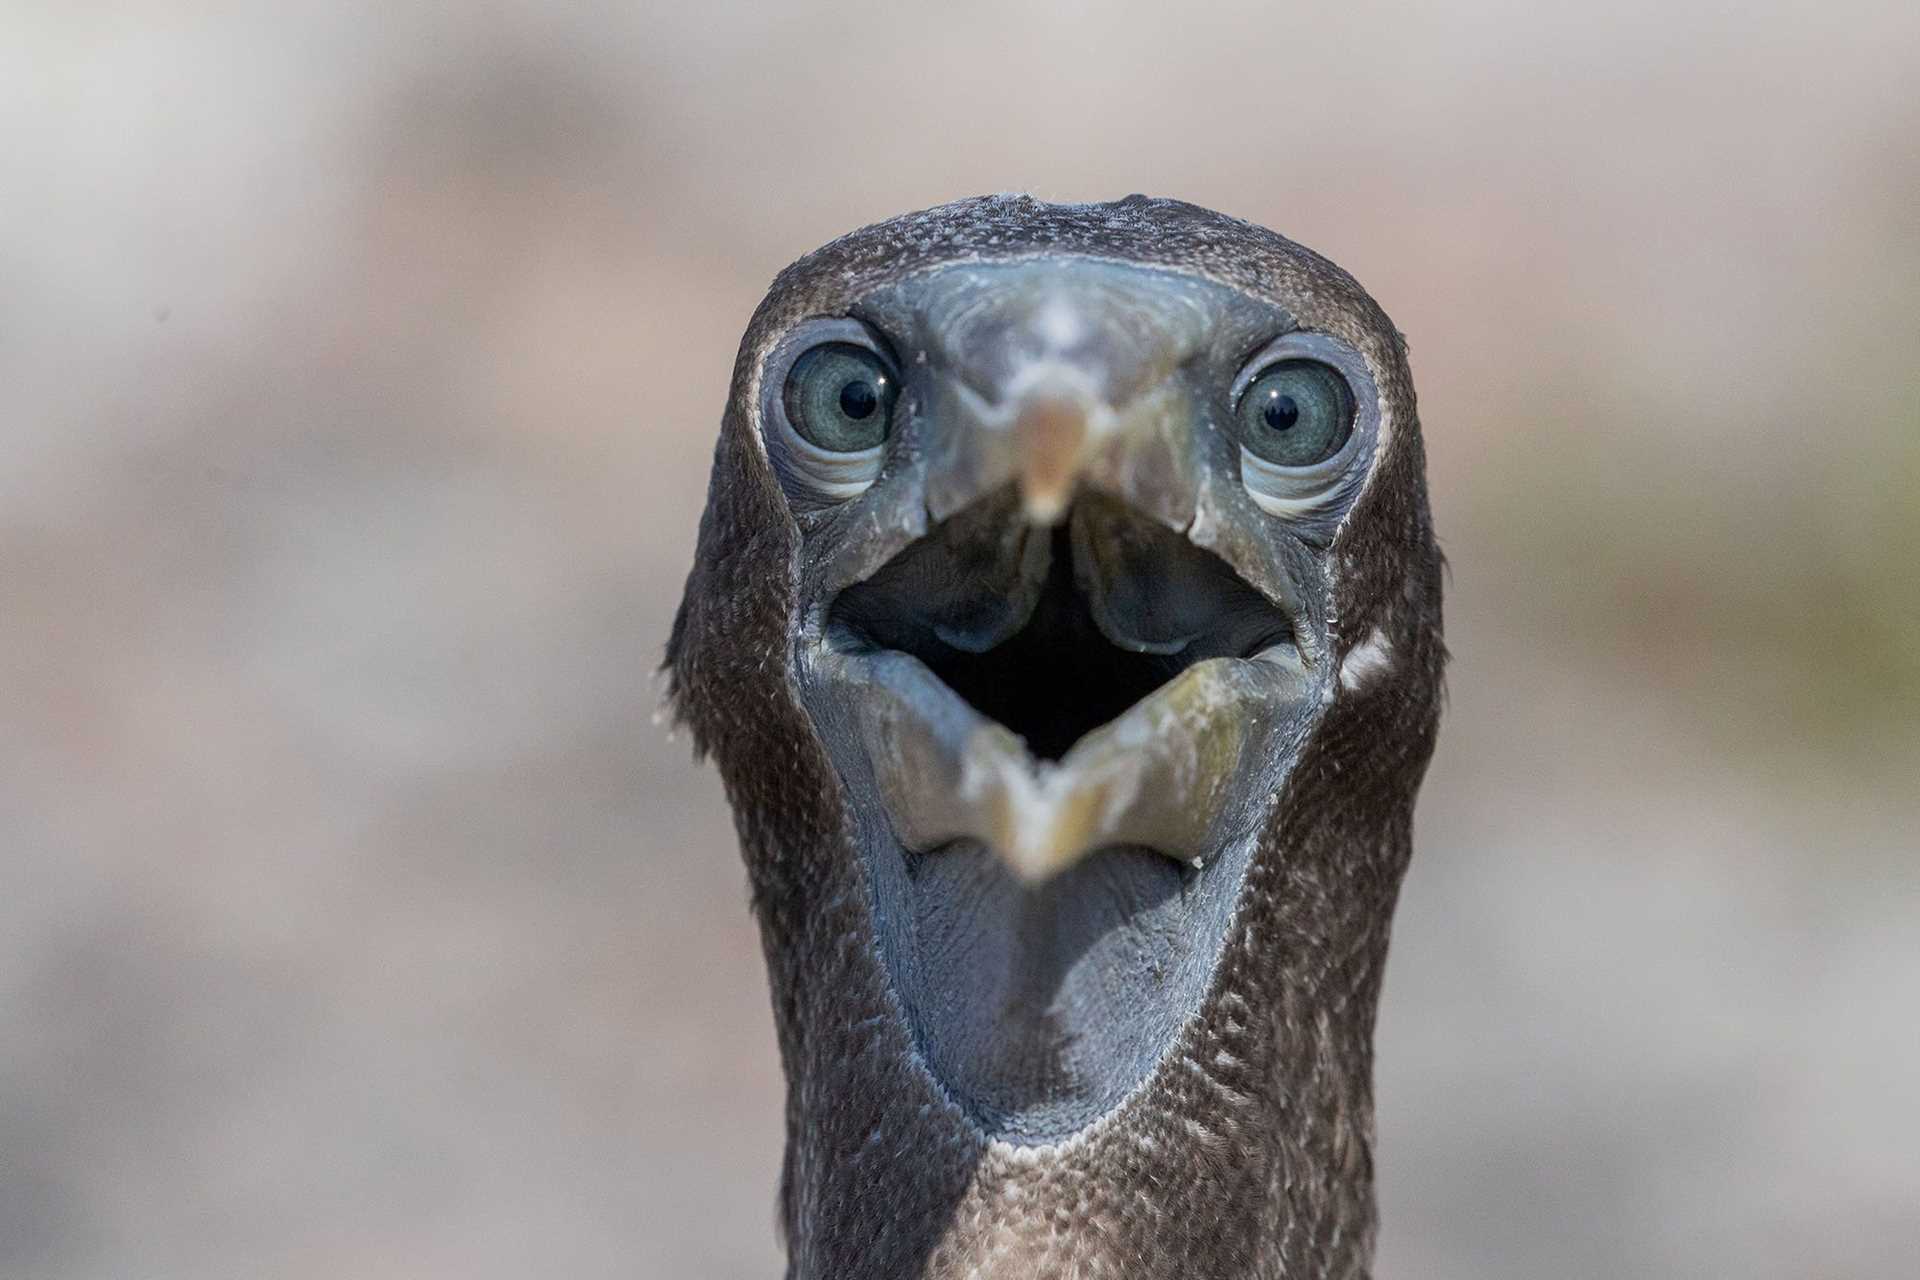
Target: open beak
1059, 665
1158, 777
1053, 691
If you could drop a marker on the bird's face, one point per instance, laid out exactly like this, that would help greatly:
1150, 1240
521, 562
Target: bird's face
1063, 582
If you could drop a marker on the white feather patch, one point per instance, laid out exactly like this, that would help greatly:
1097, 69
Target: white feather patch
1366, 660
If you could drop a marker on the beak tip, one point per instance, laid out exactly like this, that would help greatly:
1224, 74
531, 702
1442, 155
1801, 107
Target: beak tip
1034, 865
1054, 434
1045, 507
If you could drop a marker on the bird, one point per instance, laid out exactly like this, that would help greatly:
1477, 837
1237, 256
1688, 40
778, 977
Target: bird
1065, 626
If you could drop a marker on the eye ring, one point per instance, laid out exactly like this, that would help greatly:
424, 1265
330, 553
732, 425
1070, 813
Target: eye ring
827, 399
1309, 487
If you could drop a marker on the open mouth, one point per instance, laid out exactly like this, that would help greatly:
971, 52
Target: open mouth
1051, 691
1051, 682
1054, 632
1059, 724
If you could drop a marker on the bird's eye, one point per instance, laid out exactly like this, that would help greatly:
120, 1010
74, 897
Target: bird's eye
1297, 413
839, 397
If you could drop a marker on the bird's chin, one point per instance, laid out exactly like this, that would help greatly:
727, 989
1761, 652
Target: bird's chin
1062, 743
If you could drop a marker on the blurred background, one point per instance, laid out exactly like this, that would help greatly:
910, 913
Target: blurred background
360, 364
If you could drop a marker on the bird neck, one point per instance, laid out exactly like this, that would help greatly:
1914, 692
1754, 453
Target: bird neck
1246, 1153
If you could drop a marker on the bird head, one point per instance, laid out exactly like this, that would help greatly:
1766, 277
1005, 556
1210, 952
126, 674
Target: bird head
1065, 624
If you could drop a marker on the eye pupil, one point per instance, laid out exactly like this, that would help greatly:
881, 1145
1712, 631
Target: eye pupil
1281, 412
858, 399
